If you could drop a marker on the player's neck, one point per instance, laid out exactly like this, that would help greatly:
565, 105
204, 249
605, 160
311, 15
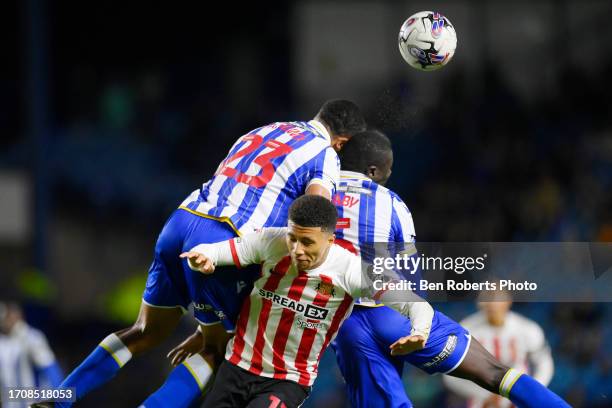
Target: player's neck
496, 322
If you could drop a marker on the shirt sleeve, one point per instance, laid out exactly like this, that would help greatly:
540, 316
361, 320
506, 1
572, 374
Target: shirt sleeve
241, 251
326, 170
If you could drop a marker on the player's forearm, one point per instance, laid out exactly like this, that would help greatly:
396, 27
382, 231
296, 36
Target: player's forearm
420, 314
219, 253
318, 189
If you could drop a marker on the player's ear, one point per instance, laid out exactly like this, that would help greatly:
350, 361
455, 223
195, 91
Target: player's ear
339, 141
332, 238
372, 171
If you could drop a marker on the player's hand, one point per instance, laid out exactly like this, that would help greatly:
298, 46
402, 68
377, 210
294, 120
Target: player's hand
407, 345
199, 262
190, 346
494, 401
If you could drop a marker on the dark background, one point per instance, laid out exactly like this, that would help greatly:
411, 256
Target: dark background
111, 113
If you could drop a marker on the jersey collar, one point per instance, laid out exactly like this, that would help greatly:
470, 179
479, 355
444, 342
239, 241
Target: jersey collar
321, 129
354, 175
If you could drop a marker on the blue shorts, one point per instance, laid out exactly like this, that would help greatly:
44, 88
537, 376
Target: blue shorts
374, 377
217, 297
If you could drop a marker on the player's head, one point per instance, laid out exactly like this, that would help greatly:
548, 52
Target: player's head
368, 153
496, 306
312, 222
10, 314
343, 119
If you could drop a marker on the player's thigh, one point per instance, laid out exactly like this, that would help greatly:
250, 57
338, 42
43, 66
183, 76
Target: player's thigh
282, 394
481, 367
445, 349
166, 285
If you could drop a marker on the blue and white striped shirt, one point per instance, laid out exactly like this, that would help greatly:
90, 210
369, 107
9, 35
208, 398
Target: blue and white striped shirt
264, 172
371, 218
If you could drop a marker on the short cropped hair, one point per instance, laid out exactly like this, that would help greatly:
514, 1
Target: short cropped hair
365, 149
342, 117
314, 211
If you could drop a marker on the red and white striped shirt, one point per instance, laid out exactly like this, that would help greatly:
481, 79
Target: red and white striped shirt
291, 316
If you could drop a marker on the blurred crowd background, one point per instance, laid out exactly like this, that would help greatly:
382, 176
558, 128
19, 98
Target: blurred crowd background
111, 113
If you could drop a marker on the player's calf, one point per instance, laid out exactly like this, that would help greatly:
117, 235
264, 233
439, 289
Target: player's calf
151, 327
485, 370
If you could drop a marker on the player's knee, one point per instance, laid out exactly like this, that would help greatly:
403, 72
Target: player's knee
494, 376
140, 337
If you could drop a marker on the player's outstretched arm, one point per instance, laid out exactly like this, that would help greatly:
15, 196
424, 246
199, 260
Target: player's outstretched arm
421, 315
407, 344
245, 250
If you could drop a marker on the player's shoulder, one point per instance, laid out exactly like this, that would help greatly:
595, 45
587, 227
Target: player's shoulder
301, 129
397, 200
342, 257
271, 233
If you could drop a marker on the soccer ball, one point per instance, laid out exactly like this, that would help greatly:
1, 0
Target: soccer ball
427, 40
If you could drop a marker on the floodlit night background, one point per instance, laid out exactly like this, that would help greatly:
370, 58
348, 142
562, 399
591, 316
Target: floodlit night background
112, 113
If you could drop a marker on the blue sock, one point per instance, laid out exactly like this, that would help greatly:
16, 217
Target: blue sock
99, 367
183, 386
525, 392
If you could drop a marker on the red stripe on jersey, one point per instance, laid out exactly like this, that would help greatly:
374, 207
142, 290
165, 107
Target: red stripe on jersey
284, 327
308, 338
282, 266
348, 245
271, 285
513, 352
234, 253
496, 347
338, 317
241, 324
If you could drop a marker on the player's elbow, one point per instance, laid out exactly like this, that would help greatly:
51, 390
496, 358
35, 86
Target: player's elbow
318, 189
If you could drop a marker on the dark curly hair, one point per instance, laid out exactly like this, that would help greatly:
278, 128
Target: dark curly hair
342, 117
314, 211
365, 149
